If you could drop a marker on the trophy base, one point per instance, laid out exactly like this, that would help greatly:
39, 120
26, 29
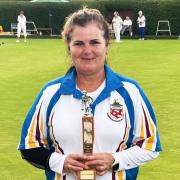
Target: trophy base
87, 175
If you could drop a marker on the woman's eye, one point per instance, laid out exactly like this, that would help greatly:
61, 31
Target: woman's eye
94, 42
78, 44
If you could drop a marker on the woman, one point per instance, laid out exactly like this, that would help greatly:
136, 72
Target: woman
141, 24
117, 23
21, 26
125, 133
127, 26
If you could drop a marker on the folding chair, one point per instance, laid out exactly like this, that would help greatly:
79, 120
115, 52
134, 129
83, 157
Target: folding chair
13, 28
168, 29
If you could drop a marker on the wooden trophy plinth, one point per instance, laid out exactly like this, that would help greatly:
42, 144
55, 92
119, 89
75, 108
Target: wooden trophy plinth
87, 175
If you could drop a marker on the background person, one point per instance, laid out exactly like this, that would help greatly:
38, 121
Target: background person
125, 129
127, 26
117, 25
21, 26
141, 24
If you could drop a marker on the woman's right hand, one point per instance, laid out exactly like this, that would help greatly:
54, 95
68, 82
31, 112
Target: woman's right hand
74, 163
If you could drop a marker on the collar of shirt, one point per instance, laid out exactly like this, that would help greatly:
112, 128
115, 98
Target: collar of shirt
68, 85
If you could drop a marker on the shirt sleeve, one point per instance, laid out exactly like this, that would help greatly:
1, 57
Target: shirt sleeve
144, 19
34, 130
35, 139
145, 144
56, 162
145, 128
134, 157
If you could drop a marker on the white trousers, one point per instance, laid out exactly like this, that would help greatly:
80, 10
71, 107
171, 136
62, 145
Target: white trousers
21, 27
117, 31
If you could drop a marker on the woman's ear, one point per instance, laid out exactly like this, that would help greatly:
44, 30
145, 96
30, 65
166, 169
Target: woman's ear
107, 48
68, 48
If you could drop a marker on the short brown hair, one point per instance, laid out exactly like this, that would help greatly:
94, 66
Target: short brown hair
83, 17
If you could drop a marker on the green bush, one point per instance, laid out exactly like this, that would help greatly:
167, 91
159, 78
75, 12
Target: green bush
39, 12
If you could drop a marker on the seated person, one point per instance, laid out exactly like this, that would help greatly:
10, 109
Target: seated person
127, 26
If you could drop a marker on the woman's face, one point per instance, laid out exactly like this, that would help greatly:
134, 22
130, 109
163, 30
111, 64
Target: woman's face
88, 49
115, 14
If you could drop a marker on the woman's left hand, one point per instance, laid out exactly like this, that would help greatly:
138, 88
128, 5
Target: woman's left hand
101, 162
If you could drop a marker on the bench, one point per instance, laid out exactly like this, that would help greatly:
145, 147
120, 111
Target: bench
46, 30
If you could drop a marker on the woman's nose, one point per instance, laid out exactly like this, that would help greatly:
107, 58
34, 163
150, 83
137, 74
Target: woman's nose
87, 48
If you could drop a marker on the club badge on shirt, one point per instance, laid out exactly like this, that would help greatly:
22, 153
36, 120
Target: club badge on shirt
116, 111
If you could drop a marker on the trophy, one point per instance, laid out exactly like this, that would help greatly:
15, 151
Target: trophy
88, 135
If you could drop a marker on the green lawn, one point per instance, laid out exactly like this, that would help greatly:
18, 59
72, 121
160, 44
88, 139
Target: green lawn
26, 67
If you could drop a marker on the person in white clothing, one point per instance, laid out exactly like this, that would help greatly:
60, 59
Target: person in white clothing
141, 24
21, 26
125, 131
127, 26
117, 26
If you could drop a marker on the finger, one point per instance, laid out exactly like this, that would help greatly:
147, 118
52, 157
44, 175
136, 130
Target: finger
94, 163
101, 173
74, 168
98, 156
92, 157
79, 164
73, 164
79, 157
101, 168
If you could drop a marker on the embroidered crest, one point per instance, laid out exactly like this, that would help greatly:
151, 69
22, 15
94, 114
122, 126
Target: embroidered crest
116, 111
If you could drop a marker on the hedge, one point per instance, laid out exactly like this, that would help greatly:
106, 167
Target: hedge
39, 12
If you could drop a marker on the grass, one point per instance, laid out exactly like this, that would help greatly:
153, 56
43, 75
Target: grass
26, 67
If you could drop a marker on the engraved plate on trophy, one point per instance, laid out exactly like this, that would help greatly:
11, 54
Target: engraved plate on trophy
88, 135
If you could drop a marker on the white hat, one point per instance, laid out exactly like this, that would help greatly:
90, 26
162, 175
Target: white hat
140, 12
